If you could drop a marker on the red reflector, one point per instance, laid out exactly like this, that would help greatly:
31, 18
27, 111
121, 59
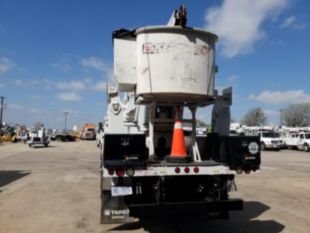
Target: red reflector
186, 170
177, 170
196, 169
111, 172
120, 172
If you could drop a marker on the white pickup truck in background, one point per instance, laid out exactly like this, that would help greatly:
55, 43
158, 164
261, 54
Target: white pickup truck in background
270, 140
300, 141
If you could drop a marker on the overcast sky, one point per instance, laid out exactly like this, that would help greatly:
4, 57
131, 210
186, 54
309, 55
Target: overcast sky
56, 56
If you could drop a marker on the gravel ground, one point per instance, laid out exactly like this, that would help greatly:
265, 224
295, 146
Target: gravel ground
56, 189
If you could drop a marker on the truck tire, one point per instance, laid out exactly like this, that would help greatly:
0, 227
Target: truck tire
306, 147
262, 146
29, 145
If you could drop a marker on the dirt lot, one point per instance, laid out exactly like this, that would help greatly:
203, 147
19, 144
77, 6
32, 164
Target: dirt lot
56, 189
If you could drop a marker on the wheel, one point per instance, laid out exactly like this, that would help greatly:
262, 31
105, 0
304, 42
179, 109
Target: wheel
306, 148
29, 145
262, 146
46, 144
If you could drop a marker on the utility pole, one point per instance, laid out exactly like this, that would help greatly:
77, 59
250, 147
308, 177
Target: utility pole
281, 117
66, 114
1, 111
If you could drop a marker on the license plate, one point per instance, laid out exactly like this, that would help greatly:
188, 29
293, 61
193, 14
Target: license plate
121, 191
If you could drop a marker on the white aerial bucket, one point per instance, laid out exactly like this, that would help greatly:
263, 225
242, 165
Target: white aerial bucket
167, 62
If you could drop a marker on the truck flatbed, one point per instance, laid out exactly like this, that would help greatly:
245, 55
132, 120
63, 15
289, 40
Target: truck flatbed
163, 168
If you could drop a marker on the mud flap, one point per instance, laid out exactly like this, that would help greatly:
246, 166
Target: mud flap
114, 209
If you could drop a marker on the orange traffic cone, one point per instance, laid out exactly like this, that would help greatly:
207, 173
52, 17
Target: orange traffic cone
178, 149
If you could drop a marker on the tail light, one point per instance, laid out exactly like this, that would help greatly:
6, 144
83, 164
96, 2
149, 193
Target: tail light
186, 170
196, 169
111, 172
177, 170
120, 172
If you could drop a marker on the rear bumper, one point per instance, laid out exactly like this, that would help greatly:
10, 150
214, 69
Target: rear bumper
184, 208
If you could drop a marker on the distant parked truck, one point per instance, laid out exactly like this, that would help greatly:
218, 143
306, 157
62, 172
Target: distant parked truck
300, 141
270, 140
39, 138
89, 132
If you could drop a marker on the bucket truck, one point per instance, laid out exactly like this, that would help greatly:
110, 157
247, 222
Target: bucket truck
162, 72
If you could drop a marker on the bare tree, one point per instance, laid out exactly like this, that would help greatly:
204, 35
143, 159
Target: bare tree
254, 117
296, 115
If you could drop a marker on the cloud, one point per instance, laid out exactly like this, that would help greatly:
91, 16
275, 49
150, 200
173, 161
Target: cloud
270, 112
230, 81
35, 97
95, 63
81, 85
232, 78
99, 65
19, 82
239, 23
5, 65
48, 83
64, 63
278, 97
15, 106
100, 86
72, 85
26, 83
34, 110
288, 22
62, 66
68, 96
292, 22
2, 85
